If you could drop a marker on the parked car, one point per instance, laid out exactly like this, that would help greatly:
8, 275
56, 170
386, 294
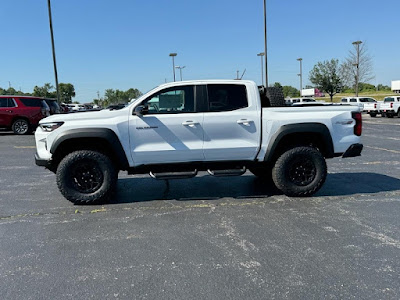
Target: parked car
22, 114
220, 126
390, 106
76, 107
53, 105
367, 104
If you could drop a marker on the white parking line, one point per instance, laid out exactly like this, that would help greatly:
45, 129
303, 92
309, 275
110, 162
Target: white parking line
383, 149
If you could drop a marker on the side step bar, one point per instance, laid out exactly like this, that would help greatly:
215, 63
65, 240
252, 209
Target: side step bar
230, 172
191, 174
173, 175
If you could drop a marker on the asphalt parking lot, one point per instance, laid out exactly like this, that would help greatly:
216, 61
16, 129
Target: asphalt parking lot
205, 238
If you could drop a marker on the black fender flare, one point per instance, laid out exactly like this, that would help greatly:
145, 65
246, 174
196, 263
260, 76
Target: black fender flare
313, 128
101, 133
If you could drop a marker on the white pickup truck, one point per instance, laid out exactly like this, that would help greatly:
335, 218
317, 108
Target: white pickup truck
390, 106
178, 129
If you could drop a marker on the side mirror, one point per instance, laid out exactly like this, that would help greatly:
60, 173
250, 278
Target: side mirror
140, 110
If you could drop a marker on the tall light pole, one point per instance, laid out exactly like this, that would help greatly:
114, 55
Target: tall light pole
265, 43
357, 44
180, 69
262, 67
173, 62
54, 51
301, 74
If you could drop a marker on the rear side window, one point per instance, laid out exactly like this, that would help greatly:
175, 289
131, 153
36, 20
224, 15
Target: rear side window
32, 102
344, 100
226, 97
389, 99
367, 100
353, 100
7, 102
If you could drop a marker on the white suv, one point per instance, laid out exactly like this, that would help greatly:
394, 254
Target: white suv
367, 104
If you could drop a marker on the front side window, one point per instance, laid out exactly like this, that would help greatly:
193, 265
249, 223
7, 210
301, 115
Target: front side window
226, 97
388, 99
353, 100
344, 100
171, 101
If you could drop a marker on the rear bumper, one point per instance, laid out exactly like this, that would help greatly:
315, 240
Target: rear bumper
353, 151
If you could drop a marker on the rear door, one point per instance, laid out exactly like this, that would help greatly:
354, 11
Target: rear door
231, 123
7, 106
171, 131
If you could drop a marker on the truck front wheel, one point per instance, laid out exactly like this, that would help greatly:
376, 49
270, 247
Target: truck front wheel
300, 171
86, 177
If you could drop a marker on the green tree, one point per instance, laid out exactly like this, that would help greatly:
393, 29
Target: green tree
366, 87
67, 92
43, 91
289, 91
325, 75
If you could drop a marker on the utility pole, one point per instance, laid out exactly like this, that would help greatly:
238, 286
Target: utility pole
262, 67
180, 69
173, 62
301, 75
357, 44
54, 51
265, 43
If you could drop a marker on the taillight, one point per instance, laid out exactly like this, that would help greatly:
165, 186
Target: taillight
391, 105
375, 105
358, 126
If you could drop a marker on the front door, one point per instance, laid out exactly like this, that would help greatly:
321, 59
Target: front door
170, 130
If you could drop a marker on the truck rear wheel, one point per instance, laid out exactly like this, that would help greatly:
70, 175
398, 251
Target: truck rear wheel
300, 171
86, 177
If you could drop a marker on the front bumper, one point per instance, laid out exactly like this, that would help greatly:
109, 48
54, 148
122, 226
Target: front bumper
353, 151
42, 162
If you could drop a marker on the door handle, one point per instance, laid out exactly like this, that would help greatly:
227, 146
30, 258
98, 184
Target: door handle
190, 123
244, 122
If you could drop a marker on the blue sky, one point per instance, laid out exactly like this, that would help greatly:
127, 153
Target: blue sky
121, 44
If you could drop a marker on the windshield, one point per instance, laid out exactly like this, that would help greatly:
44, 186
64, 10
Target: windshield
388, 99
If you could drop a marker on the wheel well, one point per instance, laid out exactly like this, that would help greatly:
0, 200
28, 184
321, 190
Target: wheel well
20, 117
95, 144
312, 139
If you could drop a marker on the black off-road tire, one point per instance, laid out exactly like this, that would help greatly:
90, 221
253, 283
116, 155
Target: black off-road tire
389, 116
373, 115
275, 96
86, 177
300, 171
20, 127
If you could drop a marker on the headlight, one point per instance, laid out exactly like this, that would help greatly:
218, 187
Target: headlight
50, 126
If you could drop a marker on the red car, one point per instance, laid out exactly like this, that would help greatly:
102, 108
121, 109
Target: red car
22, 114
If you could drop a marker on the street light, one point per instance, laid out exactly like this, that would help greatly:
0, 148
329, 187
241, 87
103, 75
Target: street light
54, 51
173, 62
180, 69
262, 67
301, 75
357, 44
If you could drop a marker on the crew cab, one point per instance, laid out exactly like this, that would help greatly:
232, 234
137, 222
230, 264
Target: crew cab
390, 106
178, 129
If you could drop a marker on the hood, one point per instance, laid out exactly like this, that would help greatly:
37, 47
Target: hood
89, 115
